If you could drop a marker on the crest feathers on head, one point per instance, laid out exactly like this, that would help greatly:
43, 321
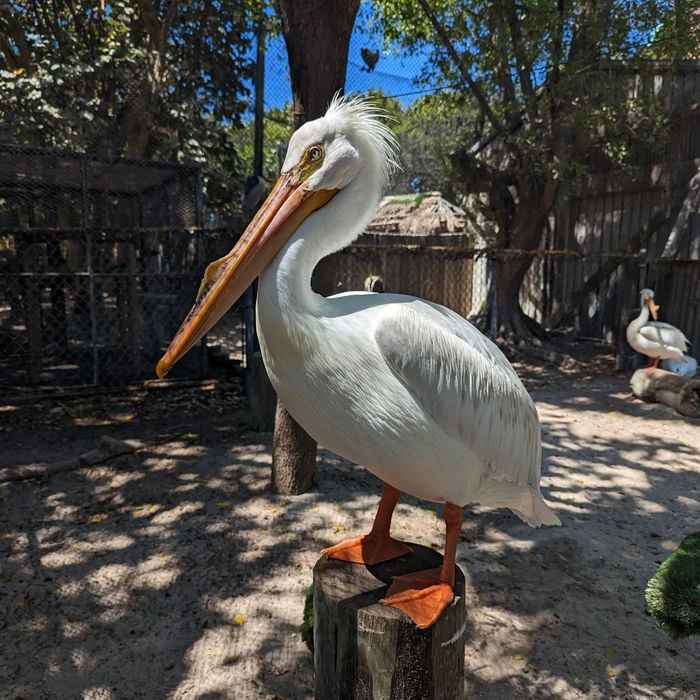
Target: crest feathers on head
362, 116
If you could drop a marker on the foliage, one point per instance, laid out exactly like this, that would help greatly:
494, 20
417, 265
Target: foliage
678, 33
147, 79
278, 130
555, 87
540, 68
429, 129
673, 593
432, 128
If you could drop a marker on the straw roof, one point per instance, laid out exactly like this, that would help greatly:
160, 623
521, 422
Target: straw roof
425, 214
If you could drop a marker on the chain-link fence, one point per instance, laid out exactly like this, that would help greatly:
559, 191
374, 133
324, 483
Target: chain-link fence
582, 295
100, 260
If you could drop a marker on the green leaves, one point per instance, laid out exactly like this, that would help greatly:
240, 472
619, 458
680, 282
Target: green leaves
91, 79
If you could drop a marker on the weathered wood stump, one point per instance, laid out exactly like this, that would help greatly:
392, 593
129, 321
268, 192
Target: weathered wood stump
657, 385
364, 650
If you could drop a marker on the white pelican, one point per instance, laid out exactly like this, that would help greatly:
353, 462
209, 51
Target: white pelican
405, 387
657, 340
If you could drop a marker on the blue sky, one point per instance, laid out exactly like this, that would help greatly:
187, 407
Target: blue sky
395, 75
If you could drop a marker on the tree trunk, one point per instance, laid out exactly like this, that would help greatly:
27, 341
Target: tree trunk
136, 119
317, 35
680, 393
530, 220
512, 322
293, 455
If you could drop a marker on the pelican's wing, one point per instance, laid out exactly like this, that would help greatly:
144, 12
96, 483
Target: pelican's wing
664, 333
465, 383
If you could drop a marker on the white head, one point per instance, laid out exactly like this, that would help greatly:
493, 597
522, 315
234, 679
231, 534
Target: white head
350, 137
349, 144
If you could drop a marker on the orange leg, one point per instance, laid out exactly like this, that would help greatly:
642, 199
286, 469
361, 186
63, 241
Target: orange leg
423, 595
377, 546
653, 364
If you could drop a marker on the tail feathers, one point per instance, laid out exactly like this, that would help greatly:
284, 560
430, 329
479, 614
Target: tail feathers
539, 512
526, 502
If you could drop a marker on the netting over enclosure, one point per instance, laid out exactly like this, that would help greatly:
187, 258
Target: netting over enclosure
100, 260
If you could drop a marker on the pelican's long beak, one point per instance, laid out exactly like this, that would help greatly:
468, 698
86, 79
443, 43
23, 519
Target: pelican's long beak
226, 279
654, 308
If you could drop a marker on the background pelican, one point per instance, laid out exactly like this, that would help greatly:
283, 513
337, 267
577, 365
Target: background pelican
657, 340
407, 388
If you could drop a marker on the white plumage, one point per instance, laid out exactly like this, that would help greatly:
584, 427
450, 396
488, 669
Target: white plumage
407, 388
660, 341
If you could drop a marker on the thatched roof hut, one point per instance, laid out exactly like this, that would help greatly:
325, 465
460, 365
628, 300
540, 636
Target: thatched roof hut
416, 244
417, 215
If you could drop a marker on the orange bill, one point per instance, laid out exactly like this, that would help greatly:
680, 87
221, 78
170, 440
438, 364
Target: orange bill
226, 279
654, 308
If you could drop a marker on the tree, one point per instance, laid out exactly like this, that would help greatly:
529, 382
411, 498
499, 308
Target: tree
278, 130
317, 36
431, 128
535, 71
153, 78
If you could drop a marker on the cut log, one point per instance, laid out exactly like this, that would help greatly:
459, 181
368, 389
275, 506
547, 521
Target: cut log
657, 385
363, 649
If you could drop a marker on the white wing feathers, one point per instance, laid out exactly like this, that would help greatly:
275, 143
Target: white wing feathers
465, 383
665, 334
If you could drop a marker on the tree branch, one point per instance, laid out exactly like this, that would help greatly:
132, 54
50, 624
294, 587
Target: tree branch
462, 68
501, 40
477, 175
522, 66
169, 18
15, 32
690, 205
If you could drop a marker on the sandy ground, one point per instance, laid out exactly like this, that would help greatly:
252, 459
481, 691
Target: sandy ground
174, 573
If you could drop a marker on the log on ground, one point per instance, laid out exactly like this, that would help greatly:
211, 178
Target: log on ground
657, 385
369, 651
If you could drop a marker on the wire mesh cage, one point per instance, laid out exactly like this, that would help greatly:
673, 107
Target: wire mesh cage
100, 260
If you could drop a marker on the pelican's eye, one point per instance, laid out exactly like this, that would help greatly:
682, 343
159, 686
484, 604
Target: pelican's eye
315, 153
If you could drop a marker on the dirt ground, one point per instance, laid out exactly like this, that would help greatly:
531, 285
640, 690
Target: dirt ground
173, 572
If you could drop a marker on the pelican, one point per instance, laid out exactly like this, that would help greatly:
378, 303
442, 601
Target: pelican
656, 340
405, 387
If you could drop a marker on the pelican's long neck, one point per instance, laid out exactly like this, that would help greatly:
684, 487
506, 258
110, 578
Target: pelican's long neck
643, 315
285, 287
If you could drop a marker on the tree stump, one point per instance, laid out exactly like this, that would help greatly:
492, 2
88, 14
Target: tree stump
364, 650
680, 393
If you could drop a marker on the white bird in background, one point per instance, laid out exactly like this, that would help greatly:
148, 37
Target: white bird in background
656, 340
405, 387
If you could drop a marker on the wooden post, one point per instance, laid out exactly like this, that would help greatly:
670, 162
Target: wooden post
293, 456
369, 651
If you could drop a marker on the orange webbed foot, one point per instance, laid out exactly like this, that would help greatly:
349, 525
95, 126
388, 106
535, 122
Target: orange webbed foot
421, 595
368, 549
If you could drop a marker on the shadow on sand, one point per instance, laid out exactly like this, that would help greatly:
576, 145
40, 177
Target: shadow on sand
115, 576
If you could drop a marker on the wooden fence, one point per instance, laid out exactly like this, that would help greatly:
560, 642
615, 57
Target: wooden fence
437, 268
617, 213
